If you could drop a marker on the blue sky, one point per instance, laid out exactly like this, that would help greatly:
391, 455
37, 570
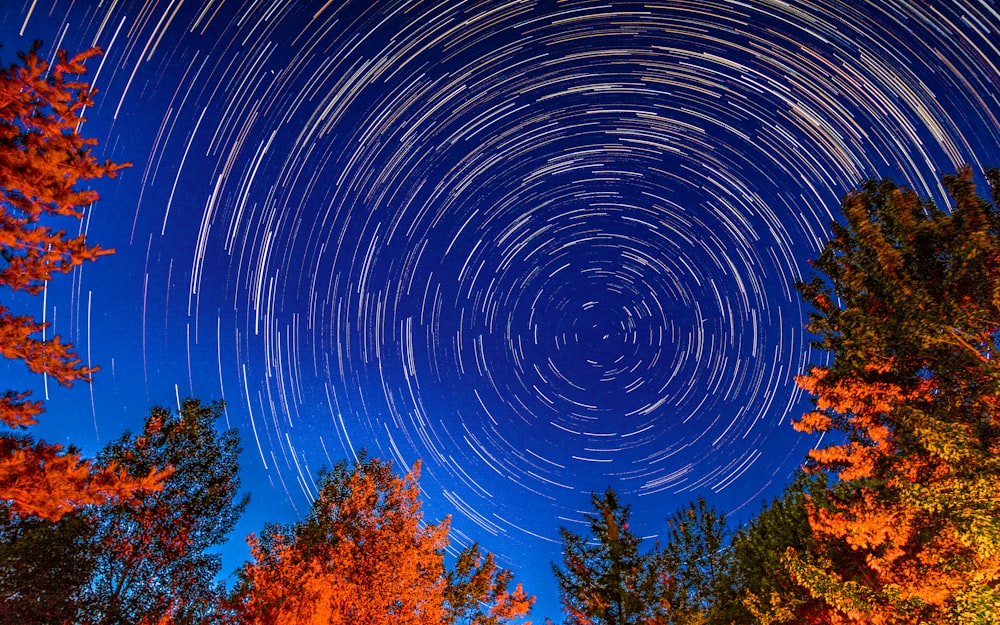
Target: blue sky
544, 248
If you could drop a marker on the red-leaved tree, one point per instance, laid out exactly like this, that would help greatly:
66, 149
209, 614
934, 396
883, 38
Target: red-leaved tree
364, 555
910, 313
43, 160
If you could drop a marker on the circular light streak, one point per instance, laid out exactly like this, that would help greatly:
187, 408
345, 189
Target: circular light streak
544, 247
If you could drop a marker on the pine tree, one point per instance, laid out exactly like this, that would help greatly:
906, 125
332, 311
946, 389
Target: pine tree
605, 578
909, 311
694, 552
43, 159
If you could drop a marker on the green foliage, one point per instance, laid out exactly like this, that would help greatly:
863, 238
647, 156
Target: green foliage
908, 307
694, 553
763, 591
610, 581
912, 293
152, 558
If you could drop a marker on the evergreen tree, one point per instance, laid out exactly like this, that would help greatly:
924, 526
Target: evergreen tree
695, 555
908, 308
760, 589
605, 578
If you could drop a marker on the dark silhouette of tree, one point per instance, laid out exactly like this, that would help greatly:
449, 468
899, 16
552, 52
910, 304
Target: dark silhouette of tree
43, 567
605, 579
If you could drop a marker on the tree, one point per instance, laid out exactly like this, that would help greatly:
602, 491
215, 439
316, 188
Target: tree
611, 582
758, 588
695, 556
363, 555
43, 158
44, 565
909, 311
152, 561
477, 581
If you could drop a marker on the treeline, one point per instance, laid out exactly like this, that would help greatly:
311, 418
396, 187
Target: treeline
701, 572
362, 555
896, 522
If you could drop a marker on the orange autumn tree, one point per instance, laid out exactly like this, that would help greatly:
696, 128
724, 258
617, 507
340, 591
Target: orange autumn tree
43, 158
910, 314
364, 555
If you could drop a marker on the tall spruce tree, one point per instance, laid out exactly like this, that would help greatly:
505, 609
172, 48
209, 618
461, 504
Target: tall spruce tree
907, 304
694, 553
605, 578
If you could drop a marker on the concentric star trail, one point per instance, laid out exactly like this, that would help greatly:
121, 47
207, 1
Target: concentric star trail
543, 247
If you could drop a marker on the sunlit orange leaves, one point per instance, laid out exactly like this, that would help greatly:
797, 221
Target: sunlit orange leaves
859, 407
43, 157
41, 479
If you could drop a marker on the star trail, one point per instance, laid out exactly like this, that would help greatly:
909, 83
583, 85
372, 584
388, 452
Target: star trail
543, 247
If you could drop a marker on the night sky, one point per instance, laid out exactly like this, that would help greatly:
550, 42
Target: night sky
543, 247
